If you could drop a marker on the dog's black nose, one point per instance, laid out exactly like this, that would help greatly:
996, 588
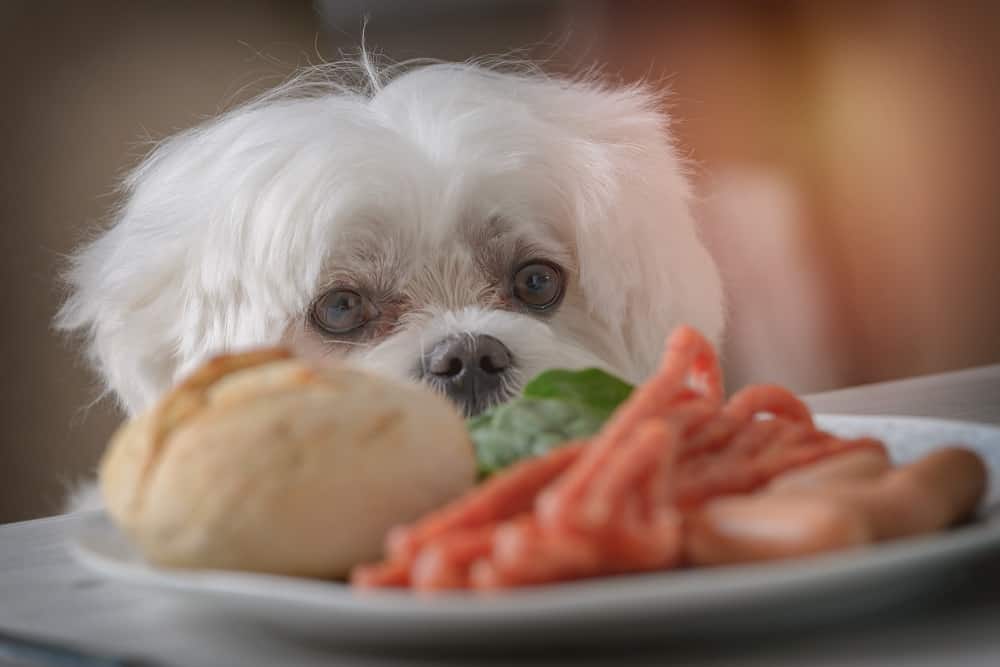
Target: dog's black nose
470, 369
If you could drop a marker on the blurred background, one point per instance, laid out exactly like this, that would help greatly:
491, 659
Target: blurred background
845, 155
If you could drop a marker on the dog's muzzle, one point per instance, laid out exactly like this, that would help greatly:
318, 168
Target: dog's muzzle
471, 370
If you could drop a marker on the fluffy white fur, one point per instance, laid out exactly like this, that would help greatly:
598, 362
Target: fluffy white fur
228, 231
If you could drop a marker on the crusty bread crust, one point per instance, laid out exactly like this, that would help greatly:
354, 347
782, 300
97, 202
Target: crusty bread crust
265, 462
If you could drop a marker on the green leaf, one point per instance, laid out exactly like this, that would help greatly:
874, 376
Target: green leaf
591, 387
556, 407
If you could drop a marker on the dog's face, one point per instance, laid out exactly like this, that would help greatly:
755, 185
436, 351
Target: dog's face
472, 305
456, 226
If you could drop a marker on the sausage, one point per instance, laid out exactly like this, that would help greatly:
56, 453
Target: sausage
852, 465
766, 526
927, 495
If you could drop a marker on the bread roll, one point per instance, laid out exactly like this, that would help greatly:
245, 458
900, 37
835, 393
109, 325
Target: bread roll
266, 463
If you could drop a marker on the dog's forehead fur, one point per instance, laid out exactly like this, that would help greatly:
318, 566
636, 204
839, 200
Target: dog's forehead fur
474, 117
474, 187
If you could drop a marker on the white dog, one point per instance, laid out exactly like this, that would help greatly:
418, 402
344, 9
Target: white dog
454, 224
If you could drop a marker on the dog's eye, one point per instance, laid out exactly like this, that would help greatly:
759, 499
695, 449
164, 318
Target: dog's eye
341, 311
538, 285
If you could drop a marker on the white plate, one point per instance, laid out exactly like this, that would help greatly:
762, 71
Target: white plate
689, 603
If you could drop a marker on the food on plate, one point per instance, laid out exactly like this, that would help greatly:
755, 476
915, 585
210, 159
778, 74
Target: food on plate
264, 462
678, 476
843, 510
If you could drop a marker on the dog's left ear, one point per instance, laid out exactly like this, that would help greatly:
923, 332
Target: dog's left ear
642, 264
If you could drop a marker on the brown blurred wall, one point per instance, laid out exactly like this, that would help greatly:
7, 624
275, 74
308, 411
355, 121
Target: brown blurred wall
87, 84
858, 142
881, 119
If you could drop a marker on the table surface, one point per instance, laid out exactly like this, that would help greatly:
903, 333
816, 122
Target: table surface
45, 594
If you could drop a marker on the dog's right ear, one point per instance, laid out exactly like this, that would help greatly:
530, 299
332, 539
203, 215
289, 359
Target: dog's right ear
220, 239
125, 286
634, 222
